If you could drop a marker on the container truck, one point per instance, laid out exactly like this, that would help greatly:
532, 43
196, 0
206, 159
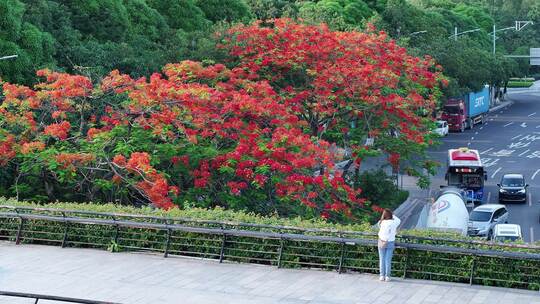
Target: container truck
466, 111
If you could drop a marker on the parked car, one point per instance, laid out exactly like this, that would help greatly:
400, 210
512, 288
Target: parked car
441, 128
512, 188
507, 232
483, 219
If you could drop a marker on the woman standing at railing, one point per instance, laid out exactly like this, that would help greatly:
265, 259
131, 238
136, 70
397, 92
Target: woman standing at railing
387, 235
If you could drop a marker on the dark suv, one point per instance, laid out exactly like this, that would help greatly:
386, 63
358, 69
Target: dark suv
513, 188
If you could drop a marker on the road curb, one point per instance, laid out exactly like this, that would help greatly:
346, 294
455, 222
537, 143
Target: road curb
507, 103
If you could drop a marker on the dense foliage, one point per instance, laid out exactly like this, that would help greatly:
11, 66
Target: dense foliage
206, 135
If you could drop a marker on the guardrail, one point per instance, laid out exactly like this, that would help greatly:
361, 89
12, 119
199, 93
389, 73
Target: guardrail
38, 297
279, 246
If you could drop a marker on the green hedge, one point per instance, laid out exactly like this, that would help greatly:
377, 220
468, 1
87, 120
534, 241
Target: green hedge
519, 84
420, 264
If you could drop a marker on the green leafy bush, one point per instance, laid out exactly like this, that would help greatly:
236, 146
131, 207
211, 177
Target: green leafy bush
519, 84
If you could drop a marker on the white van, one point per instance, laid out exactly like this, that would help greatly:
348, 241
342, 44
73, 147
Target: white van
507, 232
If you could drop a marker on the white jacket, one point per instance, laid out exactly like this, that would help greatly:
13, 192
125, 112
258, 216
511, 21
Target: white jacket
388, 229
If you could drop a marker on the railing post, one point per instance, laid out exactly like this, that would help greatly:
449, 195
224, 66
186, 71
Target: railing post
64, 240
222, 251
473, 265
19, 232
167, 245
116, 230
280, 255
37, 300
406, 262
340, 268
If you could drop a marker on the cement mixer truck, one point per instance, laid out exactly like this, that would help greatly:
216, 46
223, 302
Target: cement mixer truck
448, 212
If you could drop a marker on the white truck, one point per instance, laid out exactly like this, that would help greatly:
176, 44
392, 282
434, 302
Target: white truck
448, 212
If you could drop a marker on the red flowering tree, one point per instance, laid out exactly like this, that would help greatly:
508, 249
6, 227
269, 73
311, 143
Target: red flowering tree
248, 137
348, 86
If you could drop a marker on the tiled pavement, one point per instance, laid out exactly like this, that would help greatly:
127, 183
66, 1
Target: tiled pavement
150, 278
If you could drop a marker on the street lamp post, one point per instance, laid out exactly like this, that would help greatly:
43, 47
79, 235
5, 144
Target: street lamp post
9, 57
518, 26
456, 34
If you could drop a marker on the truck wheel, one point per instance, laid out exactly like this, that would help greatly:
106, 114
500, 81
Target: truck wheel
470, 124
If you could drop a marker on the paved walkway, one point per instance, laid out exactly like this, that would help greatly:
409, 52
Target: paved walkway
150, 278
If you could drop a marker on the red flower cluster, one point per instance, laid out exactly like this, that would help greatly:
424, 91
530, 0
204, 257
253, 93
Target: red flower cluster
58, 130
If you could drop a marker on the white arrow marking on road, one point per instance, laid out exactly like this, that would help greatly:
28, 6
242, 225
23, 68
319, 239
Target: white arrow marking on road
523, 125
486, 151
496, 171
531, 114
534, 175
524, 152
516, 136
506, 125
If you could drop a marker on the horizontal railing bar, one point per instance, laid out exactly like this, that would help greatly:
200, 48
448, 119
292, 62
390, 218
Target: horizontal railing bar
51, 298
318, 230
273, 235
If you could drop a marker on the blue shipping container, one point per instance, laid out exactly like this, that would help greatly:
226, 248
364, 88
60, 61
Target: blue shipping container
478, 102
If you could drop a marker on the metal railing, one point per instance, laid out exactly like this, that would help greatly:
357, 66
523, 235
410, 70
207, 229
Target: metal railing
468, 262
38, 297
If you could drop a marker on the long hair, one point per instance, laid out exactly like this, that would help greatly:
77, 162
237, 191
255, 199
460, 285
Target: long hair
386, 215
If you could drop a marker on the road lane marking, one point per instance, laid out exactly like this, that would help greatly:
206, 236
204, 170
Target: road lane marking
524, 152
476, 133
538, 126
523, 125
481, 128
472, 138
496, 171
517, 136
532, 234
489, 197
506, 125
486, 151
531, 114
534, 175
530, 199
469, 143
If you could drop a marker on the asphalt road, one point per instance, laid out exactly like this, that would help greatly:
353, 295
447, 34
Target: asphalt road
509, 142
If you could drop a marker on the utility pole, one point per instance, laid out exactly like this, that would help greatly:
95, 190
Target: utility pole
517, 27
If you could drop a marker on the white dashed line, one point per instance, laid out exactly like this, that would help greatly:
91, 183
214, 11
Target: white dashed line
530, 200
516, 136
531, 114
534, 175
476, 133
496, 171
481, 128
506, 125
486, 151
472, 138
469, 143
488, 198
524, 152
532, 234
538, 126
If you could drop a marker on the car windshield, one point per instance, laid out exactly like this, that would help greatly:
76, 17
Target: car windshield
440, 125
480, 216
451, 109
513, 182
506, 238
